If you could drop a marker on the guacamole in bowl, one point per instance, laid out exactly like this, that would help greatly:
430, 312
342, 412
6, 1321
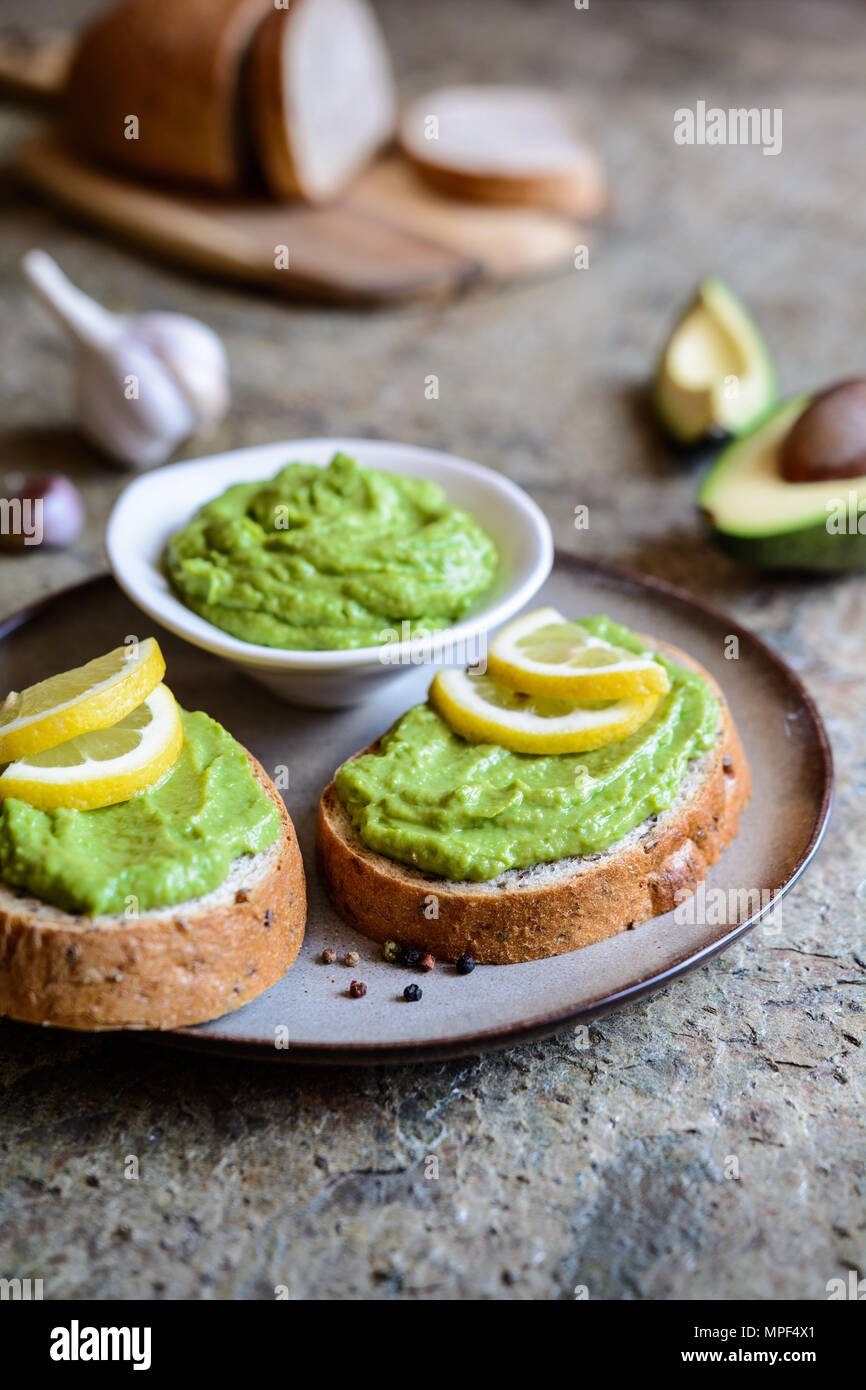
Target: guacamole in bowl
329, 559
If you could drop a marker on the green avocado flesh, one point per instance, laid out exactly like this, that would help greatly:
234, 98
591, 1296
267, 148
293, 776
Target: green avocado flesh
716, 375
464, 810
162, 847
317, 559
760, 517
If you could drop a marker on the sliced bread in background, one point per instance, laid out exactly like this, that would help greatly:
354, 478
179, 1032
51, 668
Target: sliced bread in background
321, 96
504, 145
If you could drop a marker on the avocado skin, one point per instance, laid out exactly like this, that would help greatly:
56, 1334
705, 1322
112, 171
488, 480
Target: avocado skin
812, 550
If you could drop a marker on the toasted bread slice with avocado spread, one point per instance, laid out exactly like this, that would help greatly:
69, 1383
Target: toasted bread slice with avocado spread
550, 908
168, 967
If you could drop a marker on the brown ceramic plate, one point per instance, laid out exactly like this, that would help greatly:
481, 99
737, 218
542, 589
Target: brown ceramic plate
496, 1006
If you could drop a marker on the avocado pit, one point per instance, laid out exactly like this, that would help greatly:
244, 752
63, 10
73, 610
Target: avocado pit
829, 439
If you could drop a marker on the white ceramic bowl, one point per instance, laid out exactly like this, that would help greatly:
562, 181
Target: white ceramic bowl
158, 503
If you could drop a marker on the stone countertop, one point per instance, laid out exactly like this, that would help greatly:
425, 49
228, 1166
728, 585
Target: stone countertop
606, 1167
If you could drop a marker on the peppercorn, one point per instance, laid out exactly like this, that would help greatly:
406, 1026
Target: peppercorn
427, 961
412, 993
328, 957
465, 965
351, 958
357, 989
410, 955
391, 951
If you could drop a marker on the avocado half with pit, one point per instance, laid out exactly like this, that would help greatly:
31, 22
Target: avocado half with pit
761, 516
716, 375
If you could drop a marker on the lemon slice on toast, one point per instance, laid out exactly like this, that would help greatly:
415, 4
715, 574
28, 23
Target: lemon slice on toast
482, 710
74, 702
102, 766
543, 653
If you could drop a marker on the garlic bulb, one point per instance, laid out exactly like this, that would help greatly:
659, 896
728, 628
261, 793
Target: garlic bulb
146, 382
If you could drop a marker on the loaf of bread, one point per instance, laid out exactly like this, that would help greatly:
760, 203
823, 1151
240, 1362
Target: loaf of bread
216, 94
155, 90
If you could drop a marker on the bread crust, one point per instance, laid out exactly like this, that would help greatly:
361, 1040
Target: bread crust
169, 967
178, 68
527, 920
580, 192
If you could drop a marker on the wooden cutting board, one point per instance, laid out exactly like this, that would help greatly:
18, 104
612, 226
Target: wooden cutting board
389, 238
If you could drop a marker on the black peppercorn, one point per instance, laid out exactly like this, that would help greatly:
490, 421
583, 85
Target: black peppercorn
411, 955
412, 993
465, 965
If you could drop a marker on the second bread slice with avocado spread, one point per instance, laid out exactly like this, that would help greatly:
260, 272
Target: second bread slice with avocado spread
516, 857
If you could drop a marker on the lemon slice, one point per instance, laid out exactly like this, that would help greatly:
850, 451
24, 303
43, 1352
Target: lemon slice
543, 653
103, 766
484, 711
93, 696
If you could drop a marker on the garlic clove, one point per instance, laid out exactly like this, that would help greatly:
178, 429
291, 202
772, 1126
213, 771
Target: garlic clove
146, 382
46, 511
194, 355
62, 508
130, 406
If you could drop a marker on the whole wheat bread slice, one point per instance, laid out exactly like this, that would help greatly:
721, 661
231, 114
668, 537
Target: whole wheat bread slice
168, 967
546, 910
497, 144
321, 98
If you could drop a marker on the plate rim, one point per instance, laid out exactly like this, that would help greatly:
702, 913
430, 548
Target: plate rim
542, 1025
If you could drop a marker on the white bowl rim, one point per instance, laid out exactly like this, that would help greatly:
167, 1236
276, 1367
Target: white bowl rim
167, 609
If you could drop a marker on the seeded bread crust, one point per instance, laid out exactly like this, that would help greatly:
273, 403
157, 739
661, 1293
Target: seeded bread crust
546, 910
167, 968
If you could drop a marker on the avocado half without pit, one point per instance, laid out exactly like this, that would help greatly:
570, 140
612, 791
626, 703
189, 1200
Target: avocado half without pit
792, 494
716, 376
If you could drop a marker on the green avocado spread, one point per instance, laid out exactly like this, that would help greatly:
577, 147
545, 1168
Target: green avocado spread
322, 558
464, 810
162, 847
